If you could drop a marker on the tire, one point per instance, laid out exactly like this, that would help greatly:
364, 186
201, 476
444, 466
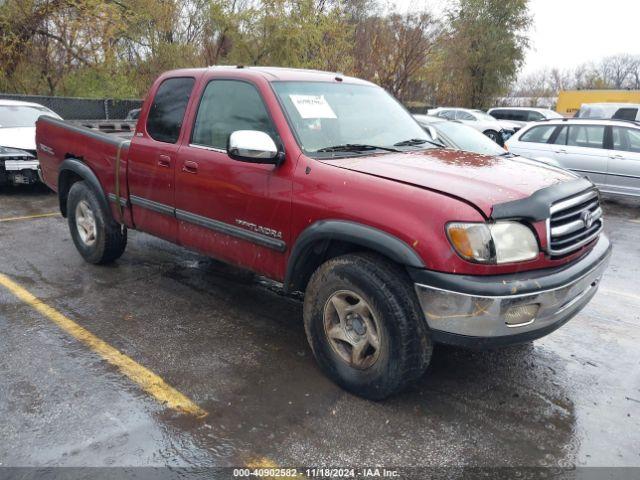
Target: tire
404, 346
107, 240
493, 135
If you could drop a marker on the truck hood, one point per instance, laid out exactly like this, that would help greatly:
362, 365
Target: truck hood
482, 180
23, 138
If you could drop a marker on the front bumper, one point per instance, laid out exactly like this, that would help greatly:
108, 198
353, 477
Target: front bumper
19, 165
19, 172
489, 311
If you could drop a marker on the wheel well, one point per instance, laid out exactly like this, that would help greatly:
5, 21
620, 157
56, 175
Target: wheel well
315, 255
65, 181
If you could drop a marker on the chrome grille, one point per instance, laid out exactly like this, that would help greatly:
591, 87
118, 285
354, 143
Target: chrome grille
574, 222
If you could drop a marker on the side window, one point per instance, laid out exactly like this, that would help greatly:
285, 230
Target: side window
533, 117
561, 139
464, 116
500, 114
227, 106
167, 110
626, 139
626, 114
588, 136
448, 114
518, 116
538, 134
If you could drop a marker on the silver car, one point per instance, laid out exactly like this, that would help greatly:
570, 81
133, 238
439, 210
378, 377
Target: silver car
606, 151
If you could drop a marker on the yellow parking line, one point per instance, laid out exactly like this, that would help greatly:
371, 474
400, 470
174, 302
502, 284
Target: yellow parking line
145, 378
29, 217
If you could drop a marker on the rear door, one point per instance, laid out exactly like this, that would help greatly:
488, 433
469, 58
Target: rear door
581, 148
152, 159
623, 174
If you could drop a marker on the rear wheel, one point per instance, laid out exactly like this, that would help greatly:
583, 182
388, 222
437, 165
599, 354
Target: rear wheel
364, 325
96, 235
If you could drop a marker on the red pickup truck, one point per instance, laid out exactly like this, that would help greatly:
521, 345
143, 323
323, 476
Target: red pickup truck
327, 184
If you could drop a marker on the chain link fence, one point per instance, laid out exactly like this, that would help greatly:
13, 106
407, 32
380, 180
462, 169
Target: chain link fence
72, 108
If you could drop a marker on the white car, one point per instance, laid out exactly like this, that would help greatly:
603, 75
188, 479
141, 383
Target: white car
523, 115
605, 151
498, 131
18, 161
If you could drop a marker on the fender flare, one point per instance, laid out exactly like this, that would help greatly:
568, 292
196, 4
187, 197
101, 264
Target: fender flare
366, 236
82, 170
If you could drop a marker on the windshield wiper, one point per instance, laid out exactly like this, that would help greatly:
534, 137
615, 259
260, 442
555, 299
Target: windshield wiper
355, 147
417, 141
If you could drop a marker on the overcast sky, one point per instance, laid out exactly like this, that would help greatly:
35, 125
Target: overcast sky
567, 33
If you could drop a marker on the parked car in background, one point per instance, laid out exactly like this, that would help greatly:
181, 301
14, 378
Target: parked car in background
133, 114
18, 160
606, 151
453, 134
617, 111
523, 115
498, 131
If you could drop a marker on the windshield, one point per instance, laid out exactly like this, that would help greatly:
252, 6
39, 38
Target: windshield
12, 116
468, 139
597, 111
325, 115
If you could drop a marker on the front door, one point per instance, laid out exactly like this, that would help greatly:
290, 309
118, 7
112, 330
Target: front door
236, 211
152, 160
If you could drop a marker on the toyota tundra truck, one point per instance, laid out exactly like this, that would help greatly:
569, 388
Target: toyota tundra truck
326, 184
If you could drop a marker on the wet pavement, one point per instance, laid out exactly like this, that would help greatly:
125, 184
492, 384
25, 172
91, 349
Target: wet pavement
236, 347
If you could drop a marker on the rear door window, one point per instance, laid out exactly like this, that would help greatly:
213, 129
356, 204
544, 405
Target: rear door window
626, 114
626, 139
167, 110
539, 134
586, 136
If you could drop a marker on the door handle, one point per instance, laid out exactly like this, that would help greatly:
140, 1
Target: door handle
616, 156
562, 150
164, 161
190, 167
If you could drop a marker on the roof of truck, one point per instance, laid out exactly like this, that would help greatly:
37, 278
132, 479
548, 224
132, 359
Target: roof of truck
274, 74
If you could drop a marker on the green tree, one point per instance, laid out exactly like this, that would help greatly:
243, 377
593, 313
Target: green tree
481, 51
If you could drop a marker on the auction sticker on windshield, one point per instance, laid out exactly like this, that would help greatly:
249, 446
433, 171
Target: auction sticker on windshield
312, 106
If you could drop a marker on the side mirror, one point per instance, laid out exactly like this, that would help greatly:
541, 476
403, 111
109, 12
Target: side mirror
253, 146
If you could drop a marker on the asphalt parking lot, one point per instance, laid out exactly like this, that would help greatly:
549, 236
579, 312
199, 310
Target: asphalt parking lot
235, 347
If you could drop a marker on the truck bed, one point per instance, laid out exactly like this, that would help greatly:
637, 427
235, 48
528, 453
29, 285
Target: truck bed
105, 154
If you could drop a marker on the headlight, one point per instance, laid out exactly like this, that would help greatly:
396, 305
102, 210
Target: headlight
501, 242
7, 152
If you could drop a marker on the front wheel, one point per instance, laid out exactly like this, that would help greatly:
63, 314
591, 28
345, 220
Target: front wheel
364, 325
96, 235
